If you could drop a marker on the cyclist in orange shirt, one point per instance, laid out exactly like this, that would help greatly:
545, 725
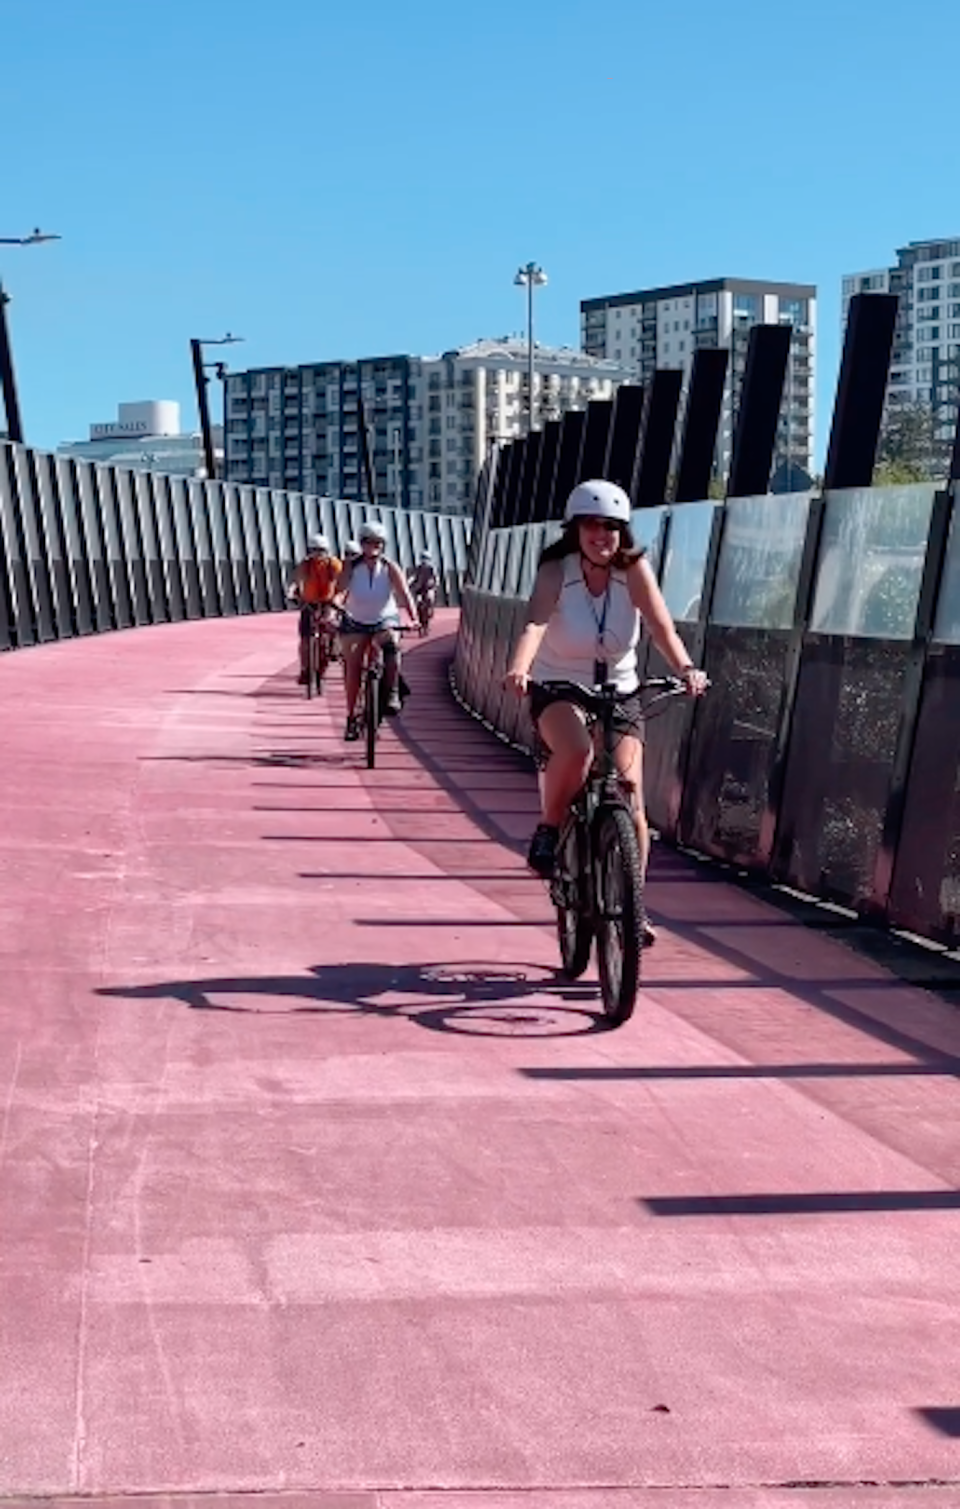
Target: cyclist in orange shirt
313, 585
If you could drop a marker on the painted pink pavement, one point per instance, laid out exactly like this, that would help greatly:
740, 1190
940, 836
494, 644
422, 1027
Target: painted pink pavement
317, 1183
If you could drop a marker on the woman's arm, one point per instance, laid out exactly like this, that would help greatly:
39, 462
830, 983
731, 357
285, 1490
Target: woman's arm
543, 600
343, 583
402, 591
645, 594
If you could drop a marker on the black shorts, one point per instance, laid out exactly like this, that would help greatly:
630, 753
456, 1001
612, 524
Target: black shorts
628, 718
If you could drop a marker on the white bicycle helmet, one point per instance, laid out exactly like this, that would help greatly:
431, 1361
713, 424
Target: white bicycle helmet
426, 559
373, 531
318, 542
352, 547
597, 500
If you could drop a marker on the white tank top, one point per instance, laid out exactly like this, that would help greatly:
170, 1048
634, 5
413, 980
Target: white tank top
584, 629
370, 594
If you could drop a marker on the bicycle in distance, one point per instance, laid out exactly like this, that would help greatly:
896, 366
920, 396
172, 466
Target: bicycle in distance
376, 702
597, 882
321, 646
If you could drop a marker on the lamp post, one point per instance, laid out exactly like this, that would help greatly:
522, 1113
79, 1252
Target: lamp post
200, 380
530, 277
8, 382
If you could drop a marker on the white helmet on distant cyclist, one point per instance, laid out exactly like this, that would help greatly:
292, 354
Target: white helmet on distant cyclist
318, 542
352, 547
597, 500
373, 531
426, 559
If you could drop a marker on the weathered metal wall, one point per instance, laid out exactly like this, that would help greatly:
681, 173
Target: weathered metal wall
85, 548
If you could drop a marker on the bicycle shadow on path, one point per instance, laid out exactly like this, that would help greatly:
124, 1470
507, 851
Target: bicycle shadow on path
478, 1000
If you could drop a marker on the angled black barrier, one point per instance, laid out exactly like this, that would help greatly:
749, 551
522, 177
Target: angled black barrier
523, 509
511, 505
700, 423
568, 458
596, 434
624, 436
861, 390
546, 470
955, 455
509, 457
658, 427
755, 434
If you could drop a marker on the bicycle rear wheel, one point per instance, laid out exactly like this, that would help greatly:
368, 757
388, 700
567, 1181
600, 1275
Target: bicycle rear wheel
311, 663
371, 715
570, 893
323, 660
619, 893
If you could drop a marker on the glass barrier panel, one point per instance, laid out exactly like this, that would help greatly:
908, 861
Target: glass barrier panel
946, 626
685, 560
646, 526
872, 550
759, 567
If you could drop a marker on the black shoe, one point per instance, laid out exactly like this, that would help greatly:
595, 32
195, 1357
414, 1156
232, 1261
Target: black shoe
353, 730
303, 678
542, 854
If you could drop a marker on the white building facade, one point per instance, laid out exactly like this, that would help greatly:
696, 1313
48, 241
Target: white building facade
430, 421
663, 327
146, 437
925, 363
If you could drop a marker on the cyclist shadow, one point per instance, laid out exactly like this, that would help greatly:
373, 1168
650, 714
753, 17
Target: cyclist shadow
474, 999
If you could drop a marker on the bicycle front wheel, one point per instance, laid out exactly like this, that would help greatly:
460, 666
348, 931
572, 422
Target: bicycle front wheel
311, 664
371, 716
569, 891
619, 896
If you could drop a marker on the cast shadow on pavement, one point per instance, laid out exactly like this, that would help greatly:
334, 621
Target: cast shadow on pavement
477, 1000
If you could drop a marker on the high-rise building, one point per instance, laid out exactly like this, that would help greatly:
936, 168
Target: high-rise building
925, 364
430, 420
663, 327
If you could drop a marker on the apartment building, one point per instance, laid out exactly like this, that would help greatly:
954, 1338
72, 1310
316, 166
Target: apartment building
146, 437
429, 420
925, 364
662, 328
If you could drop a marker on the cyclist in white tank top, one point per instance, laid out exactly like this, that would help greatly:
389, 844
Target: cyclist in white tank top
372, 591
592, 593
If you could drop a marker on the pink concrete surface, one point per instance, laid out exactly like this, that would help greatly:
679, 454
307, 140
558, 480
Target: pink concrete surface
318, 1184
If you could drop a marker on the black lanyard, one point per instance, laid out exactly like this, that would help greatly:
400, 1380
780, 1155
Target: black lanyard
600, 669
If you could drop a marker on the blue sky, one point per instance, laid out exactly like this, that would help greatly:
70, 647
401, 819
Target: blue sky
341, 180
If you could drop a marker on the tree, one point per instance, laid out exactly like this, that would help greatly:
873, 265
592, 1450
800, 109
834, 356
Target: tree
911, 449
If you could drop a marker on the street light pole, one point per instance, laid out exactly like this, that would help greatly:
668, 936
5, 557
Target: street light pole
203, 407
8, 381
530, 277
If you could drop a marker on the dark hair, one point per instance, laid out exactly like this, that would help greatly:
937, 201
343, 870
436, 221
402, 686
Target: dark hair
569, 544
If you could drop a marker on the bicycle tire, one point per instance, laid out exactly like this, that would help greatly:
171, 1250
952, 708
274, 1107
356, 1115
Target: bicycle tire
323, 661
619, 911
311, 660
574, 908
371, 716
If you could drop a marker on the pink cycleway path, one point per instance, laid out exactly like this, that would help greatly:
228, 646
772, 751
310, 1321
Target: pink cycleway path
318, 1184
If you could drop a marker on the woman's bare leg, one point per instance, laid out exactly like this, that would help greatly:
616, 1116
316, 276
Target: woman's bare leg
563, 729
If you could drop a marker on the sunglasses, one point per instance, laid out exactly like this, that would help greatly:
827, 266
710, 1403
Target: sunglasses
609, 526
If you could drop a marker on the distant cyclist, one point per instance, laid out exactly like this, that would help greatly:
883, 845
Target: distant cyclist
314, 585
372, 590
351, 551
423, 586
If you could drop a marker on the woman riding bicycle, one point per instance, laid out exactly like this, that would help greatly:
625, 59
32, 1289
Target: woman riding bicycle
372, 589
313, 585
592, 593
